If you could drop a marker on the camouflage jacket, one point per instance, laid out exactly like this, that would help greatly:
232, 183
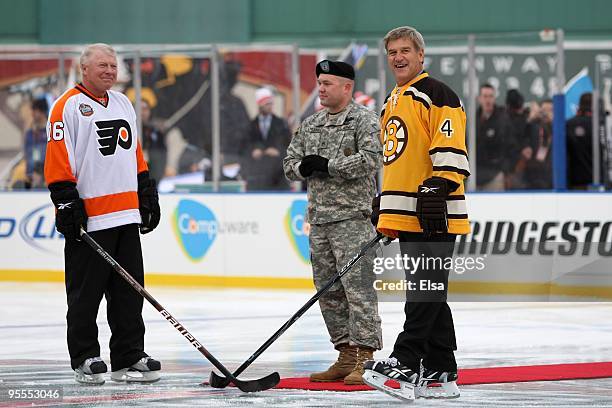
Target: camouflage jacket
350, 140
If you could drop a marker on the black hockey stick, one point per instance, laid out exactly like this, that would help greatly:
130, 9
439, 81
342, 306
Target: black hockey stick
217, 381
261, 384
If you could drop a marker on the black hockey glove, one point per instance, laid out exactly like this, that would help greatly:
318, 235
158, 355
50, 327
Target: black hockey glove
375, 210
313, 163
148, 203
431, 205
70, 214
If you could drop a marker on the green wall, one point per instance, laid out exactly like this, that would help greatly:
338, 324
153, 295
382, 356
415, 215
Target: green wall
205, 21
144, 21
368, 19
19, 21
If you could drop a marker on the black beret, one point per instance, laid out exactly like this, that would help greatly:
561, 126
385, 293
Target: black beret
337, 68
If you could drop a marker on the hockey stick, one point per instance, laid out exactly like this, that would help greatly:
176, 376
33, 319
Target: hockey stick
247, 386
217, 381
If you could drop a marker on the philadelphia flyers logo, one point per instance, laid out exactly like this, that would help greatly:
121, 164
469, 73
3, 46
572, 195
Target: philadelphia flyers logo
112, 133
395, 139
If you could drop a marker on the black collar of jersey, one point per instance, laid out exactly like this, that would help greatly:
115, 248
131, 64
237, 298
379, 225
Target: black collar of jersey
87, 93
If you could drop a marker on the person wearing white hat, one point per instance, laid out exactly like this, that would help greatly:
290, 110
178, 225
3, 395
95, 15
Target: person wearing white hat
269, 137
264, 97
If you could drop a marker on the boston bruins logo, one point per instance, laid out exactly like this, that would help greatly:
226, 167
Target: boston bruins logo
396, 139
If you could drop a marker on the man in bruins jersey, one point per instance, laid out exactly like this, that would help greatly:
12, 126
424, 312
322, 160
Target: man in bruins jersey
423, 204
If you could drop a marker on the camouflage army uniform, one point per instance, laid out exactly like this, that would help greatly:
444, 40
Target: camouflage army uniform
339, 206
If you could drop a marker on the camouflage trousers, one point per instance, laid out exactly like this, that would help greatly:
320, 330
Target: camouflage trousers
350, 307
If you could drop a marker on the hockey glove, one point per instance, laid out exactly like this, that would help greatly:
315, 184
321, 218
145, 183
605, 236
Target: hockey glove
375, 210
431, 205
70, 214
313, 163
148, 203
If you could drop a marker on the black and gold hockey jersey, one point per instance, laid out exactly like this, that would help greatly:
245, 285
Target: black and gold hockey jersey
423, 133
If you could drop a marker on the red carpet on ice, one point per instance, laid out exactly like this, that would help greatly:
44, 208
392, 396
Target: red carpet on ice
491, 375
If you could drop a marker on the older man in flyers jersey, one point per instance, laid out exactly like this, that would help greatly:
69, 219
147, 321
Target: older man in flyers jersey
99, 181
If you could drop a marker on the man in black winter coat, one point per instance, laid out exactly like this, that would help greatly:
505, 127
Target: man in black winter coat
491, 142
267, 143
579, 131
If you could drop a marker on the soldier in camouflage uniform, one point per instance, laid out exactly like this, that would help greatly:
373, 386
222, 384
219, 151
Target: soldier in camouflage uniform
337, 151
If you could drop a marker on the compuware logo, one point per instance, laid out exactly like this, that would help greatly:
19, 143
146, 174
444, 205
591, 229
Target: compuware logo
296, 229
195, 227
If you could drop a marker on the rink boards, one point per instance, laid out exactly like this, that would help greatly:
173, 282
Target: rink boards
260, 240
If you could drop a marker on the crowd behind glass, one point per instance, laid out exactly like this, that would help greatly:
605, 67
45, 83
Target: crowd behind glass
513, 144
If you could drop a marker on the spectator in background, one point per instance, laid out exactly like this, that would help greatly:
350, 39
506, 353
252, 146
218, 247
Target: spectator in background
365, 100
153, 143
579, 132
518, 138
525, 149
547, 114
268, 139
491, 142
538, 164
35, 145
234, 122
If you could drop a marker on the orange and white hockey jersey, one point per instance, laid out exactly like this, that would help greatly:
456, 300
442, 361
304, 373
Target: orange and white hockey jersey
96, 147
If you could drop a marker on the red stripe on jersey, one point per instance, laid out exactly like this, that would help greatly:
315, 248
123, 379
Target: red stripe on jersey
111, 203
142, 164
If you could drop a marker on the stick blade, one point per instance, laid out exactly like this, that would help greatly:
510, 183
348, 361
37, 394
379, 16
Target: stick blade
217, 381
261, 384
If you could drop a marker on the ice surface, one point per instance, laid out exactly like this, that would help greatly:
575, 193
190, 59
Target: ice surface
232, 324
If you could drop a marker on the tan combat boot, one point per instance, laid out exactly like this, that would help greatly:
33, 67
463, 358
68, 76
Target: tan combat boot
341, 368
355, 377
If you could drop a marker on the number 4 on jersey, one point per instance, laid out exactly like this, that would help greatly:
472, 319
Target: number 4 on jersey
447, 128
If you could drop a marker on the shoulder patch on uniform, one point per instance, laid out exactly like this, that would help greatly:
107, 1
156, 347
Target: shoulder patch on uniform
85, 109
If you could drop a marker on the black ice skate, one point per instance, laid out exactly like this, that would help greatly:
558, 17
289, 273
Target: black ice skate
144, 370
90, 371
378, 372
446, 380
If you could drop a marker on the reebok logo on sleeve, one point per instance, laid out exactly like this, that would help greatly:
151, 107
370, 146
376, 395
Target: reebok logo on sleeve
428, 190
112, 133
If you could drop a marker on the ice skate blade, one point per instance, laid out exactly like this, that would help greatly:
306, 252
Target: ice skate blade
135, 376
377, 380
447, 390
88, 379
